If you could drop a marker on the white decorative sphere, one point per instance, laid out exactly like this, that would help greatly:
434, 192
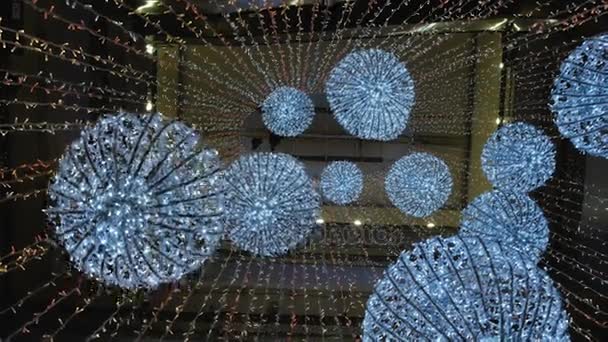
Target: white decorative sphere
136, 202
518, 157
464, 289
512, 218
418, 184
578, 97
371, 94
287, 111
341, 182
271, 205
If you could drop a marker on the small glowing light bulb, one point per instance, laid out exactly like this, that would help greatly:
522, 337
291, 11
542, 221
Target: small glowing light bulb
149, 49
357, 222
149, 106
320, 220
430, 225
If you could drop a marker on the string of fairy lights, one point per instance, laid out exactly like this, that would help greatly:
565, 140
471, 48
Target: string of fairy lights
265, 63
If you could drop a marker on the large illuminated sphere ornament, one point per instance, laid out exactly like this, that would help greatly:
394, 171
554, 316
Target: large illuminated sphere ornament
342, 182
287, 111
464, 289
136, 202
371, 94
579, 97
518, 157
271, 205
418, 184
512, 218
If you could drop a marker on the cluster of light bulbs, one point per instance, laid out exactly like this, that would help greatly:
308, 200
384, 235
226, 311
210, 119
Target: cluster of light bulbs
136, 201
370, 92
580, 113
271, 204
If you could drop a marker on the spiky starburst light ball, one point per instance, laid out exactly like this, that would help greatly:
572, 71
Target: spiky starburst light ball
136, 202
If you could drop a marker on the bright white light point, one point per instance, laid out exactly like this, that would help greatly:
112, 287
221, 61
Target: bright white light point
498, 121
430, 225
501, 65
150, 48
148, 5
320, 221
149, 106
357, 222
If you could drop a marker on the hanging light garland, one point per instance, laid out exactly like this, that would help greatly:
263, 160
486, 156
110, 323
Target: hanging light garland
234, 93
